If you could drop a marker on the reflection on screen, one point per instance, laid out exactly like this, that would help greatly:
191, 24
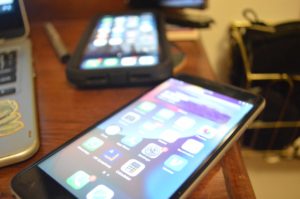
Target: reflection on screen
157, 141
6, 6
123, 41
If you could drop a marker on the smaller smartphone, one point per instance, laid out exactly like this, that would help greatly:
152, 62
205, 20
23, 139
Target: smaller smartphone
158, 146
121, 49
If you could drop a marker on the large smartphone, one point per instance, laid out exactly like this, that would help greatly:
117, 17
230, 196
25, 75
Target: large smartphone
127, 48
158, 146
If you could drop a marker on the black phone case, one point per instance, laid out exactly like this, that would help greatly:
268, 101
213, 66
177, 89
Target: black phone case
126, 76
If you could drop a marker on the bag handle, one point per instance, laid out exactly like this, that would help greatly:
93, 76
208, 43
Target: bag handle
257, 24
251, 16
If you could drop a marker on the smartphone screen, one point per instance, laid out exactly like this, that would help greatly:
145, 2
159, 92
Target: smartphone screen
122, 41
151, 147
6, 6
11, 20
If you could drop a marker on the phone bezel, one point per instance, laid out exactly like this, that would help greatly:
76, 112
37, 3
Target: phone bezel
159, 4
26, 178
121, 76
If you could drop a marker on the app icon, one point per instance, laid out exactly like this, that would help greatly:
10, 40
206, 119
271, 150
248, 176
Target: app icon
111, 154
184, 123
91, 64
131, 33
92, 144
78, 180
109, 62
113, 129
152, 150
118, 29
148, 44
100, 192
192, 146
115, 41
132, 21
207, 132
116, 35
147, 60
103, 34
99, 42
146, 27
132, 167
170, 136
165, 114
128, 61
131, 117
107, 20
120, 20
175, 162
131, 140
146, 106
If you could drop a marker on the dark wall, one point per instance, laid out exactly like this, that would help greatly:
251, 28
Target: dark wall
40, 10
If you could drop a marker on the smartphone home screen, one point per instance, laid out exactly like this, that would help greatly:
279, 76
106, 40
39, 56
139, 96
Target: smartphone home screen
149, 148
122, 41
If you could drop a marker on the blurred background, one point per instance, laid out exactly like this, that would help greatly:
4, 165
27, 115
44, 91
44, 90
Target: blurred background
272, 177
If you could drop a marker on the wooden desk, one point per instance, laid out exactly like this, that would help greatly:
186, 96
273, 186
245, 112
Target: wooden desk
65, 111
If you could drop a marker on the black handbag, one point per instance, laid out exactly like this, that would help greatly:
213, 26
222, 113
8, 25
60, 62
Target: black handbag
267, 57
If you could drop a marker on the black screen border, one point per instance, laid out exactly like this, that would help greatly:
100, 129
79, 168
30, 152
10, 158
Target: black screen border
158, 4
